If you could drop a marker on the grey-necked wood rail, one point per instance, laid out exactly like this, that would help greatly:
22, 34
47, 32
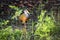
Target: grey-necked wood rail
24, 16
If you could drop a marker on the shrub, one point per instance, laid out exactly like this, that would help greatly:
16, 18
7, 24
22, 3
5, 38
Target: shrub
45, 26
10, 34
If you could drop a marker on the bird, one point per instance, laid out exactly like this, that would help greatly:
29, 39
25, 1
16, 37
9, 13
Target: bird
24, 16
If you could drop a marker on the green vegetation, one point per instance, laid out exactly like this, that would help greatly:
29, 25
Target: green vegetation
10, 34
46, 28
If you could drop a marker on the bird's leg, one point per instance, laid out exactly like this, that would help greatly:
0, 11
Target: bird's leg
24, 31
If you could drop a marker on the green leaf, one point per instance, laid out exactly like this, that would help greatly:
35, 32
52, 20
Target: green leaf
14, 7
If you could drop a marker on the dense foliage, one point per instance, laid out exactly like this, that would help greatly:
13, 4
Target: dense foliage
41, 26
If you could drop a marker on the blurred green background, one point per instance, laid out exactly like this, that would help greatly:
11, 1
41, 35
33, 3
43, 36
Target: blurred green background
44, 23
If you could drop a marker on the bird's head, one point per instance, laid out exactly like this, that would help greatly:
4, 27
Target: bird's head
26, 11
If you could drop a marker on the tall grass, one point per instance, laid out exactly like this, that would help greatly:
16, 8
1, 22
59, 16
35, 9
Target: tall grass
44, 27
